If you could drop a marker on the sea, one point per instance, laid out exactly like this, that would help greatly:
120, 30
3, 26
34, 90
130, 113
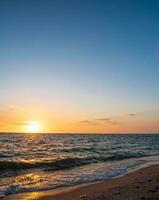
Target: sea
34, 162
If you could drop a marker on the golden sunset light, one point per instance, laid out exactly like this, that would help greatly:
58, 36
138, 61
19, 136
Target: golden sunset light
33, 127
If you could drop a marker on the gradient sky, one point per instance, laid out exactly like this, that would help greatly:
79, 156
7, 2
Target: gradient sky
79, 65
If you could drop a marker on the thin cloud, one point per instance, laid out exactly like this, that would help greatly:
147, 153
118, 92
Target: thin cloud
21, 123
107, 121
99, 121
88, 122
103, 119
132, 114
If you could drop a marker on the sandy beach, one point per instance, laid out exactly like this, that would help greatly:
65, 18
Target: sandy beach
142, 184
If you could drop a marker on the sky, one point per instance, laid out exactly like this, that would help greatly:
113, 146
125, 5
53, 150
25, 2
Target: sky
88, 66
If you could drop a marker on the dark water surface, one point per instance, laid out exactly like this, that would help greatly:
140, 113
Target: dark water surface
30, 162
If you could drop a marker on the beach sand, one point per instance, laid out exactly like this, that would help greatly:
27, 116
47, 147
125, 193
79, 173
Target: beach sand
139, 185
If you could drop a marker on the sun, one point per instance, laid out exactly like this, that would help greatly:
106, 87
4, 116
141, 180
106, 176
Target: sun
33, 127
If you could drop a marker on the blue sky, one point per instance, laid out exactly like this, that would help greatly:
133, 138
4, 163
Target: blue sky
98, 58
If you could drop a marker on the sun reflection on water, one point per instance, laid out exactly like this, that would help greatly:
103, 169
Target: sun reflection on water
31, 196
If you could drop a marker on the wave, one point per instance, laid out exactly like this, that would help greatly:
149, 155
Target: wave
54, 165
64, 163
2, 155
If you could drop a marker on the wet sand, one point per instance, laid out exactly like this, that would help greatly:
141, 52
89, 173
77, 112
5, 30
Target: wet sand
139, 185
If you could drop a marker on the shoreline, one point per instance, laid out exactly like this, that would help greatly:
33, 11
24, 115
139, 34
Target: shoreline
121, 187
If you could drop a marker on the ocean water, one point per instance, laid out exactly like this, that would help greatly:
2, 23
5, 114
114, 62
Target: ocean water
32, 162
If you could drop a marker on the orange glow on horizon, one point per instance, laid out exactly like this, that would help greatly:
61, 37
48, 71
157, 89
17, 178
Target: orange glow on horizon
39, 119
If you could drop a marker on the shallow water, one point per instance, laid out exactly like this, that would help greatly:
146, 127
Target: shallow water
30, 162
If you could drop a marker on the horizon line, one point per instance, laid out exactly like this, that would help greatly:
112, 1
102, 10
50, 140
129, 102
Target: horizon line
72, 133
